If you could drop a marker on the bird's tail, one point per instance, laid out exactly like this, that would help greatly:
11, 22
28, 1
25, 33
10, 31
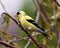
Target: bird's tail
46, 35
43, 32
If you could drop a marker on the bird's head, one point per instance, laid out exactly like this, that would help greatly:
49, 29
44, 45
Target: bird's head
21, 13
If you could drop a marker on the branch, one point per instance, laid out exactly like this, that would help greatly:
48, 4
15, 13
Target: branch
6, 44
3, 6
57, 3
55, 29
26, 46
13, 35
37, 16
39, 7
42, 10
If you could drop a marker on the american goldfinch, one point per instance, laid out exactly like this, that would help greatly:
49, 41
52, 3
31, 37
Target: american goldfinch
29, 24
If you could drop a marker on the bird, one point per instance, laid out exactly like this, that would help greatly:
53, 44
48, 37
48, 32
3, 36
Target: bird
29, 23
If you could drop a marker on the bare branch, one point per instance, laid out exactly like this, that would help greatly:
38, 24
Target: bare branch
12, 35
57, 2
3, 6
26, 46
55, 29
42, 12
37, 16
6, 44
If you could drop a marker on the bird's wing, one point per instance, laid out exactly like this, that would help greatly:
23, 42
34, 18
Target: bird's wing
43, 31
34, 23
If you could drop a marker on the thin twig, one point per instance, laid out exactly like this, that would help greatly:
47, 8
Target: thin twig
43, 11
12, 35
39, 7
54, 10
37, 16
3, 6
55, 21
57, 3
6, 44
26, 46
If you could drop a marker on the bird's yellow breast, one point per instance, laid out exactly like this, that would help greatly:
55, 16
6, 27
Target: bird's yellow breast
26, 24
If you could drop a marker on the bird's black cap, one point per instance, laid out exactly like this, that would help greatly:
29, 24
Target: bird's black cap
18, 13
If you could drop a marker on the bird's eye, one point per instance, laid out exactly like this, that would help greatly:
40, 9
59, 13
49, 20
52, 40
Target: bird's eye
18, 13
